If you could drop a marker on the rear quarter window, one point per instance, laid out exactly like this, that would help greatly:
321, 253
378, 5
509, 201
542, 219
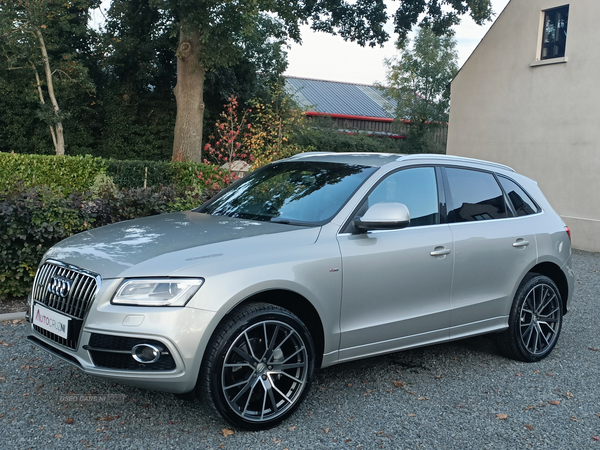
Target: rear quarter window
521, 201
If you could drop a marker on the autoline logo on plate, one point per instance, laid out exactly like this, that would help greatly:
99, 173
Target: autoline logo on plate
51, 321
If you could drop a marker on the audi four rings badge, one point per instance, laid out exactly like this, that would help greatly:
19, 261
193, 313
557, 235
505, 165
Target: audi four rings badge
59, 286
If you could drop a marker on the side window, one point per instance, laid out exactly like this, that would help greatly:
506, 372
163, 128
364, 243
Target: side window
521, 201
474, 195
554, 40
416, 188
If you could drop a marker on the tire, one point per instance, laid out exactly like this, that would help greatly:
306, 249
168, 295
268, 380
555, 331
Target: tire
258, 367
535, 320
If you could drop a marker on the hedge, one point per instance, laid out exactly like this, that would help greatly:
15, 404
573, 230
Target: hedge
70, 174
65, 173
44, 199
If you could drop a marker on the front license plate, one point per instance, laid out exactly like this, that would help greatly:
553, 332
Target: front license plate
51, 321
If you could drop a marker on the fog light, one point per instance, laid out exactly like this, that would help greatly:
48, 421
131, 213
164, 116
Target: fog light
146, 353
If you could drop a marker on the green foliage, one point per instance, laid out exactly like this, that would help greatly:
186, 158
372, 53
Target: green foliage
273, 125
183, 175
27, 29
323, 136
65, 173
420, 80
31, 221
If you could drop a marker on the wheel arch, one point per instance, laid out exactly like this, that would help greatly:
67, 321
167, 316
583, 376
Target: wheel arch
299, 306
555, 273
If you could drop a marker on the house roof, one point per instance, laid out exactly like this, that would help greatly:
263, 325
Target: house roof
337, 98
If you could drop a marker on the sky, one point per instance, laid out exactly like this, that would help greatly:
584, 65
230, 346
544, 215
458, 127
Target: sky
326, 57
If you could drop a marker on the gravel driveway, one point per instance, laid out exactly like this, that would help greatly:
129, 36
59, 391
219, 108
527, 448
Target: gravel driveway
457, 395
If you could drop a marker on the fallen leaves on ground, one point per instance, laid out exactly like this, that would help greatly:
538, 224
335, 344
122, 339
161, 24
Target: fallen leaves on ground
399, 384
227, 432
554, 402
326, 430
529, 427
107, 418
502, 416
69, 421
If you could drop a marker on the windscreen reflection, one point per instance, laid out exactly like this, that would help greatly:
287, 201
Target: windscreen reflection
298, 192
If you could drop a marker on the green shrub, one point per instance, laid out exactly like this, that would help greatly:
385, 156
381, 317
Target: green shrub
31, 221
34, 219
65, 173
331, 140
132, 174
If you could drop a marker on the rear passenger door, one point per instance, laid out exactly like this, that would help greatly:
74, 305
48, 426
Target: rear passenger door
493, 249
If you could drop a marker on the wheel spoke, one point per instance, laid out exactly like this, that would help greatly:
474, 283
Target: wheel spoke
250, 346
269, 391
249, 385
292, 355
536, 336
551, 313
299, 365
269, 348
527, 335
282, 394
543, 336
297, 380
244, 355
244, 412
241, 383
289, 335
543, 307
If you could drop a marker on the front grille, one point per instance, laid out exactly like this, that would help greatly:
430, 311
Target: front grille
114, 352
74, 302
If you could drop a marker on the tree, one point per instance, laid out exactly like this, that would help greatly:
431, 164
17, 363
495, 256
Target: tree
419, 81
139, 76
44, 36
213, 34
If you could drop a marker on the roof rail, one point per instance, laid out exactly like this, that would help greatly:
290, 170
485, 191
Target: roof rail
457, 159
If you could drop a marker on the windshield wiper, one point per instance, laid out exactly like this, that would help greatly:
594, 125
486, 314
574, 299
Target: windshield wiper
292, 222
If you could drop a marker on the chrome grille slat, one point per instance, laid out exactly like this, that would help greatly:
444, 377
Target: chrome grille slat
71, 298
77, 301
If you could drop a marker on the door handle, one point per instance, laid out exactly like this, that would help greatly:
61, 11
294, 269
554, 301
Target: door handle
440, 251
520, 243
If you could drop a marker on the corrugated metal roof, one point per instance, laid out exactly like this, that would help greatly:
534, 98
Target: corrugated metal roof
334, 97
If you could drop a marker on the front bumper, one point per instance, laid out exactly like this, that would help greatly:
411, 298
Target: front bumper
109, 332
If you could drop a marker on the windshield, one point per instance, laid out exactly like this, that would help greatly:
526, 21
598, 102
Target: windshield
295, 192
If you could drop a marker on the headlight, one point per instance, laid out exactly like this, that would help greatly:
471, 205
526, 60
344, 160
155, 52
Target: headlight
157, 292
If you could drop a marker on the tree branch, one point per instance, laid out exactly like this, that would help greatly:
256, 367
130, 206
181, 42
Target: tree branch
41, 94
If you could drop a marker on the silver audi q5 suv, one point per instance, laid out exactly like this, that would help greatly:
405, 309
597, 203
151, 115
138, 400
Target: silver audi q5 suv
311, 261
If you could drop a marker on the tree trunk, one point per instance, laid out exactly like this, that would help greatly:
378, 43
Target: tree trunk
189, 93
58, 137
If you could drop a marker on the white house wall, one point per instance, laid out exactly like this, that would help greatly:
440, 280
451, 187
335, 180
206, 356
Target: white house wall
542, 120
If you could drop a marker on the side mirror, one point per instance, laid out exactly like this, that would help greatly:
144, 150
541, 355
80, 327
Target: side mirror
384, 216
